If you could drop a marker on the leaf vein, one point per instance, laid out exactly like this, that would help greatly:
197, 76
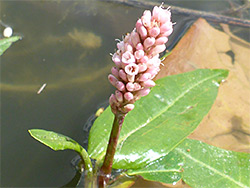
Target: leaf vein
167, 107
154, 171
211, 168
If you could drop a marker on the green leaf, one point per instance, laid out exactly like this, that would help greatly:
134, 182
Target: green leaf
209, 166
160, 121
54, 140
5, 43
58, 141
199, 165
167, 169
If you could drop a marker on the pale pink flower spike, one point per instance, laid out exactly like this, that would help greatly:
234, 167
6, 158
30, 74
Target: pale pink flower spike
137, 59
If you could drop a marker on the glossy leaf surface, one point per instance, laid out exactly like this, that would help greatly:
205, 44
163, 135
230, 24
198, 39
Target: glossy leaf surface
160, 121
166, 169
54, 140
5, 43
210, 166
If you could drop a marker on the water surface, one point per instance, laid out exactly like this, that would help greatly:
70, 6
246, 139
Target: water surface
66, 44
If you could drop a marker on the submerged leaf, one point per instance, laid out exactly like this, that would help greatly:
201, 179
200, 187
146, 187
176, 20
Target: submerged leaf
160, 121
5, 43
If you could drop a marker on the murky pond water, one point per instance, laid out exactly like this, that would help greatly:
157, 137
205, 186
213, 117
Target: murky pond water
65, 45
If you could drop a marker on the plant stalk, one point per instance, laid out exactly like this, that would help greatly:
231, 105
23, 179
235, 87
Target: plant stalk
105, 171
87, 167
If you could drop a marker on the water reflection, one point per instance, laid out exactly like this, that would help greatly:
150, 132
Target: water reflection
66, 44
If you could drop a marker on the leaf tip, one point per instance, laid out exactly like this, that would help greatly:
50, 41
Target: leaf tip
30, 131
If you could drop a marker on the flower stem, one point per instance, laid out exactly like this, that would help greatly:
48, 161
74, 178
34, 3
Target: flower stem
105, 171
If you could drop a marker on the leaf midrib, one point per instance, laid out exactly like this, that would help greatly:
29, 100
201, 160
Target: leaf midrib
160, 112
153, 171
211, 168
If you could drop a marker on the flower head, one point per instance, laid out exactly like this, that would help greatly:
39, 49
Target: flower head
137, 59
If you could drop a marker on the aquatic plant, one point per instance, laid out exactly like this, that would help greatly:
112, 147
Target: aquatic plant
137, 63
148, 137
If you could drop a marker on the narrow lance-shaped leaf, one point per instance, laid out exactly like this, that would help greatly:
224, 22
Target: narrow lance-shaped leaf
58, 141
210, 166
160, 121
54, 140
5, 43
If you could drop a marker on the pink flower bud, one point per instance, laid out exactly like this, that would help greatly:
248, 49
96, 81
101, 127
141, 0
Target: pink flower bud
131, 78
157, 63
120, 46
137, 86
123, 75
166, 27
128, 47
141, 29
153, 71
154, 32
143, 92
154, 61
165, 16
146, 18
119, 96
138, 24
129, 107
113, 102
139, 54
112, 79
142, 67
128, 96
148, 42
128, 58
157, 49
161, 40
135, 38
115, 72
161, 15
117, 59
132, 69
130, 86
167, 33
144, 77
120, 86
144, 59
112, 99
156, 12
139, 46
127, 39
148, 83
